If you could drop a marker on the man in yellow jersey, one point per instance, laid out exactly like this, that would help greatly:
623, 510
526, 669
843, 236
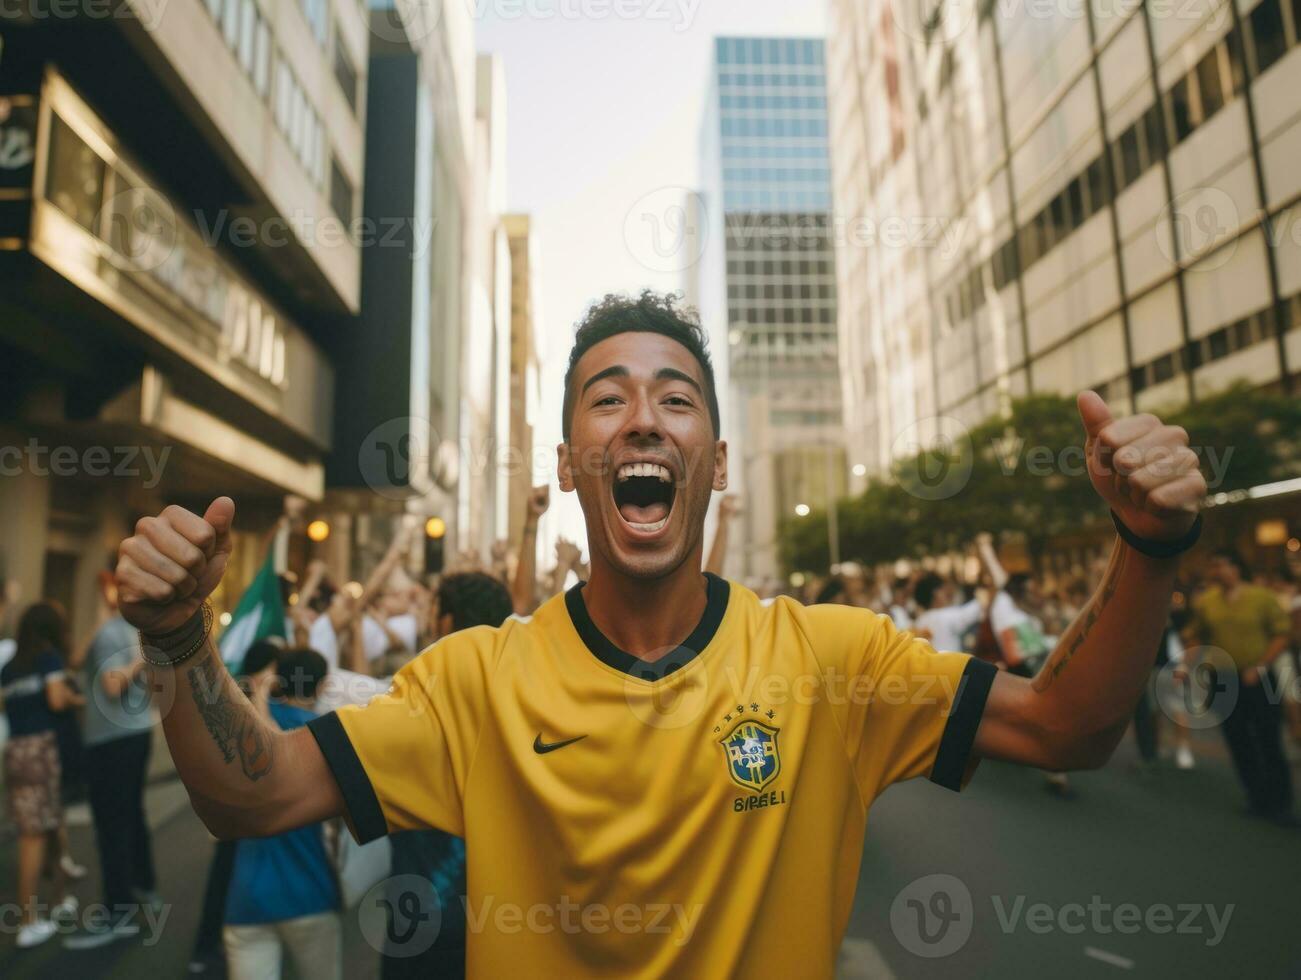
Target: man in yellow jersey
658, 775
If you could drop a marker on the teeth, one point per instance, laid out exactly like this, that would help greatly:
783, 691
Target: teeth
649, 528
630, 470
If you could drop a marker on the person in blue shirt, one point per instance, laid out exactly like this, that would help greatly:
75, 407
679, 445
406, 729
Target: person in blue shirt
284, 895
36, 691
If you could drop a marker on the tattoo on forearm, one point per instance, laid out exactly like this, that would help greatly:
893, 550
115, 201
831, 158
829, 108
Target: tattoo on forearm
234, 728
1070, 644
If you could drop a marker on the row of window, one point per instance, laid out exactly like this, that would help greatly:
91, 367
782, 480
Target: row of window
779, 175
298, 121
769, 51
778, 126
770, 290
797, 151
766, 200
741, 314
751, 267
1194, 99
248, 35
781, 417
1230, 339
773, 102
772, 79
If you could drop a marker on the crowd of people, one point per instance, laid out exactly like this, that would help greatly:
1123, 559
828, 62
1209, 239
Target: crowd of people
82, 721
80, 726
1232, 648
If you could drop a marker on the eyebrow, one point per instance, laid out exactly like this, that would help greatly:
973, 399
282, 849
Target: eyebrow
663, 374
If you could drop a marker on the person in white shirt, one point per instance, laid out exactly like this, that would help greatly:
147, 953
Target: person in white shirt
946, 623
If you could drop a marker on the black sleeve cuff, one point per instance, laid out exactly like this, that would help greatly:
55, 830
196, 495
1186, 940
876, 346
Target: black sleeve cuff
960, 733
364, 812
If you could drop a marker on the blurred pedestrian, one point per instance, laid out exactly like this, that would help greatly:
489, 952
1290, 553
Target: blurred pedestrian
118, 735
900, 600
945, 622
35, 689
284, 896
1021, 640
1247, 623
209, 954
463, 601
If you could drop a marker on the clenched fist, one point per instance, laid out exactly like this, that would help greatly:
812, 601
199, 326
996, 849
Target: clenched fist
1143, 469
171, 564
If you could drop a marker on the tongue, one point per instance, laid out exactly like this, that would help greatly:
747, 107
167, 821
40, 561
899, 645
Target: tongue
648, 514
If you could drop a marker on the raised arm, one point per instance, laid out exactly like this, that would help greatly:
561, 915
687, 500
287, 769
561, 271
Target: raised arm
245, 777
1072, 714
728, 508
523, 592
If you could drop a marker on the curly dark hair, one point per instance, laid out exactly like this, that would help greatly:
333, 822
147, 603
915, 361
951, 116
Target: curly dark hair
650, 313
473, 599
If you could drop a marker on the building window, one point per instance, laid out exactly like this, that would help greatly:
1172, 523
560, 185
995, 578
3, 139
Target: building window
1181, 109
1152, 132
1096, 178
1131, 166
344, 73
1208, 80
1267, 31
341, 193
74, 180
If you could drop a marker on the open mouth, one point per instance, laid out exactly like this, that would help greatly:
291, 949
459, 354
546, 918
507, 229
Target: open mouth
643, 495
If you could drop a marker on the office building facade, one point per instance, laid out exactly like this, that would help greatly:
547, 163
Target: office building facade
1043, 198
766, 283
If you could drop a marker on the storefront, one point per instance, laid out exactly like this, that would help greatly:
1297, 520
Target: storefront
141, 365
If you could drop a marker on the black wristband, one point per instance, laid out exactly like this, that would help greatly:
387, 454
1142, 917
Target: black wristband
1158, 549
180, 644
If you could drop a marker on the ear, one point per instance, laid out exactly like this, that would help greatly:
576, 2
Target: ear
720, 466
565, 467
445, 625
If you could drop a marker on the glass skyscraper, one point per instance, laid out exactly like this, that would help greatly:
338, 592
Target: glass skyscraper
770, 254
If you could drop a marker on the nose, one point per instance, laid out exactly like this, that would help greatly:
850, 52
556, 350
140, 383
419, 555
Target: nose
643, 422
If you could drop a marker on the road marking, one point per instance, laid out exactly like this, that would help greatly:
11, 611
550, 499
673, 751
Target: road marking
861, 960
1112, 958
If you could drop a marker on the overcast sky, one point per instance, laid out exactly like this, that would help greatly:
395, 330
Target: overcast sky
604, 103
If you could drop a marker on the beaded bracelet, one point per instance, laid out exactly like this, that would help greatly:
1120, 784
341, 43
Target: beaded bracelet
189, 639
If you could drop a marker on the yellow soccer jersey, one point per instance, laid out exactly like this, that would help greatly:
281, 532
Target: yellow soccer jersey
701, 816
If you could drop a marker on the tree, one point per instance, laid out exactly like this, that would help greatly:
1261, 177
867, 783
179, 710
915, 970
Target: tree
1026, 475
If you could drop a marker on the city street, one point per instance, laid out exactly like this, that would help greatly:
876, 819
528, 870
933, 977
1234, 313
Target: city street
1174, 839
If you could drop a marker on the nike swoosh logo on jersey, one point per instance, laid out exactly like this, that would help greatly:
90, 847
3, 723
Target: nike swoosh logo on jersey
542, 748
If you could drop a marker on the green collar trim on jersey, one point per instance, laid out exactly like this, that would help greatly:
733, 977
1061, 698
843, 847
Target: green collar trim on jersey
604, 650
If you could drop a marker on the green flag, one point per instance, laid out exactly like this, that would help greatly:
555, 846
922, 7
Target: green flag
260, 614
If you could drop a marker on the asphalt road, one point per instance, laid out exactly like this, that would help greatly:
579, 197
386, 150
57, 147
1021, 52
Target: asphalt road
1152, 876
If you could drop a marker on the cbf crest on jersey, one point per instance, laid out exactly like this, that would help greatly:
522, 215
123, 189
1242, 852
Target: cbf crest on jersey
752, 757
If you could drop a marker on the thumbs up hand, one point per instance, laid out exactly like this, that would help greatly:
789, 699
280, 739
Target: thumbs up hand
172, 564
1143, 469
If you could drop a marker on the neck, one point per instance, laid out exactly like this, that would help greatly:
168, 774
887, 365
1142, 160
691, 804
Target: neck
647, 618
